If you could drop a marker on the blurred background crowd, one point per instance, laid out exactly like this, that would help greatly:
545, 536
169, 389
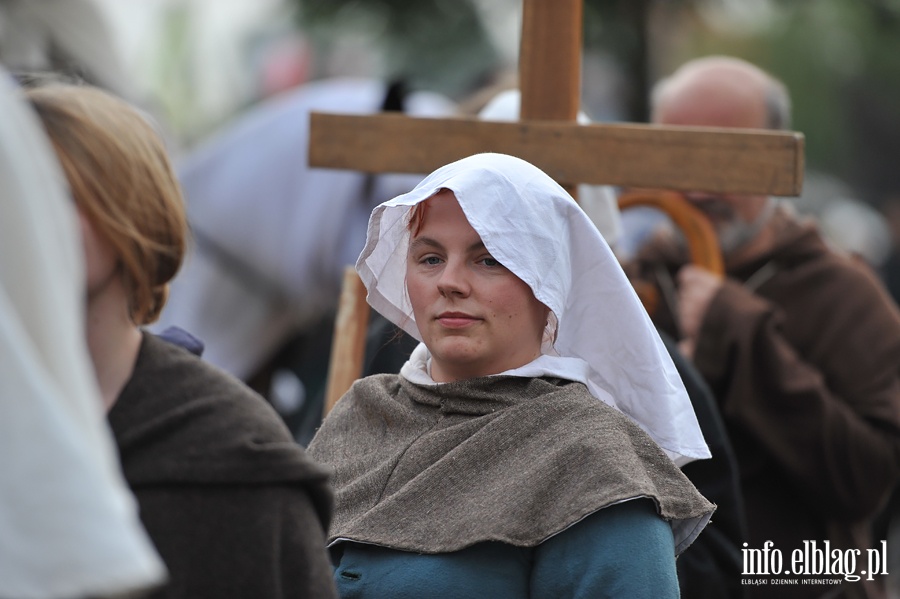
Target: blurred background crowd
197, 64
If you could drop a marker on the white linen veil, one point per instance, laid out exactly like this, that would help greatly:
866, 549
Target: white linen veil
599, 202
529, 223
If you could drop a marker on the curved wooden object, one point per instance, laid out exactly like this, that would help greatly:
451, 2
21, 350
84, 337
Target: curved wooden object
703, 245
348, 346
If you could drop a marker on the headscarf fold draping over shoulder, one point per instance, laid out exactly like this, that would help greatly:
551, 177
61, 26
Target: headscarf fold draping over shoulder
533, 227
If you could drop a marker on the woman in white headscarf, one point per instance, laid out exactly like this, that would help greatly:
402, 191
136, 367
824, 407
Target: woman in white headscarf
528, 448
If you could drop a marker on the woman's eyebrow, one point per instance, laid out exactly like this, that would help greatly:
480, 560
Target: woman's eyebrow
420, 242
428, 242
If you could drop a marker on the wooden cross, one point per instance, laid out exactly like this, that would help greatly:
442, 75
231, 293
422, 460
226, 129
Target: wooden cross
547, 135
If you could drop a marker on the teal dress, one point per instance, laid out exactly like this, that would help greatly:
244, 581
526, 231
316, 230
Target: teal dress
625, 550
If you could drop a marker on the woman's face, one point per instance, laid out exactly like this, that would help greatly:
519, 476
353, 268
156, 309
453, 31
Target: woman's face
476, 317
100, 261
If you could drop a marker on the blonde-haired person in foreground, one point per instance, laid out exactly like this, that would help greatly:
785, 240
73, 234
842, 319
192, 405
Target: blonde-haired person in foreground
68, 525
526, 448
233, 505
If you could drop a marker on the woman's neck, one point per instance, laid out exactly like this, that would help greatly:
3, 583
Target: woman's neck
113, 341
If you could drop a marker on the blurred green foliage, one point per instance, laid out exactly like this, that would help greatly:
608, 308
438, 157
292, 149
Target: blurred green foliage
436, 44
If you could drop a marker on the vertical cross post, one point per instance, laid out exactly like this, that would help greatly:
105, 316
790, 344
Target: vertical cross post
550, 62
550, 59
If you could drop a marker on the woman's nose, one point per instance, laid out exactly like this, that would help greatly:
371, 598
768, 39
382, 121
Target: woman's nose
454, 279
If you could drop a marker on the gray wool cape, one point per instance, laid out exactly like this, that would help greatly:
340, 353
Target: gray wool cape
437, 468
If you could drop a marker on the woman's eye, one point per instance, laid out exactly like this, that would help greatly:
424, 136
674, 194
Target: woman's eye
431, 260
490, 262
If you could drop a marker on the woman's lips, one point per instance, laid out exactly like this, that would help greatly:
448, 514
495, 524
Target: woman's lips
456, 320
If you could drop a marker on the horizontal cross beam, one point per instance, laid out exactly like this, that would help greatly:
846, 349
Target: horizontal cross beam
647, 156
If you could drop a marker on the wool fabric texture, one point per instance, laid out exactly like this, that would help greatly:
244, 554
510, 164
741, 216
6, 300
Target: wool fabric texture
437, 468
233, 505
